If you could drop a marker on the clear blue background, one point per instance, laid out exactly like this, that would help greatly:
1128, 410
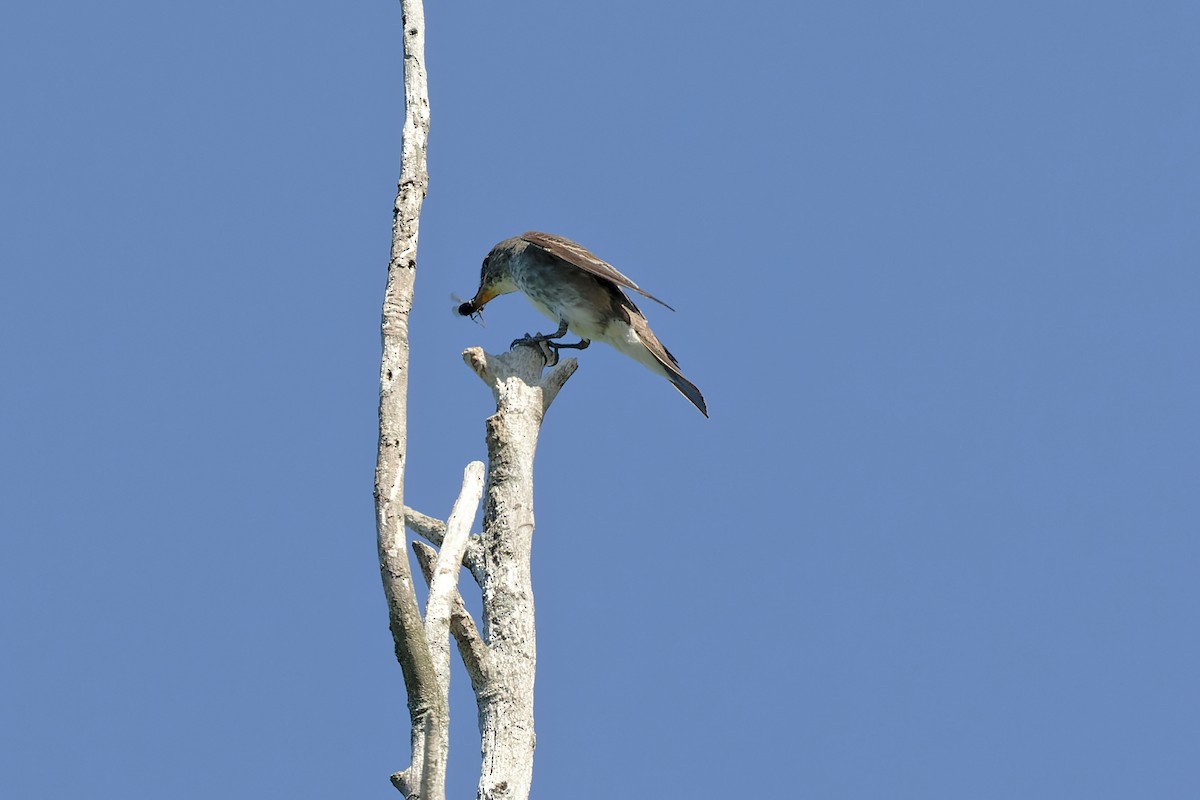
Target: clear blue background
937, 271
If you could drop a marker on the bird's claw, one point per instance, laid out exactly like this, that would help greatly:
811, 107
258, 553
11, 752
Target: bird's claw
547, 348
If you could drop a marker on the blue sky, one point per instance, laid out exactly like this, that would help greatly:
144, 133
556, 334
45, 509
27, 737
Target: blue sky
936, 272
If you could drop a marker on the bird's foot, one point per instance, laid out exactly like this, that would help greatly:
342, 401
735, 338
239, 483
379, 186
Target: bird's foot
547, 346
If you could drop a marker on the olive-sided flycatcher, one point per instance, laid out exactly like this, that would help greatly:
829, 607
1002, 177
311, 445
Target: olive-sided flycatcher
582, 294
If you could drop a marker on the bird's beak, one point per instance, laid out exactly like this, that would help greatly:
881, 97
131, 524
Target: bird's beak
481, 299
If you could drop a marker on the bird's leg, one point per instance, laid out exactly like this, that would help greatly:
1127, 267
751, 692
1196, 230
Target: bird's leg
561, 332
549, 348
558, 334
536, 339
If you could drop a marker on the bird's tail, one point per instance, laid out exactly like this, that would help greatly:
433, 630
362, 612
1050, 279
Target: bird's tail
687, 389
644, 346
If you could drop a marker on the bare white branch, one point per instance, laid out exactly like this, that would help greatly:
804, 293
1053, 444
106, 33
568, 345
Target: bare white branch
555, 380
428, 715
524, 364
462, 626
434, 530
431, 528
443, 585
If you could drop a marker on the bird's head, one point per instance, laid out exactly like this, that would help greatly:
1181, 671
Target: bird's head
495, 279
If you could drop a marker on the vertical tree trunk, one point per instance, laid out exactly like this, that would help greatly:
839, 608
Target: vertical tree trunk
506, 713
505, 699
427, 712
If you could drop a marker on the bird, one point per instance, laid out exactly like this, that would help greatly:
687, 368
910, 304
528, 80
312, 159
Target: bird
581, 293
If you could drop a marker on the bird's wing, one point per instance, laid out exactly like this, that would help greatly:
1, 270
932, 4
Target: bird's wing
585, 259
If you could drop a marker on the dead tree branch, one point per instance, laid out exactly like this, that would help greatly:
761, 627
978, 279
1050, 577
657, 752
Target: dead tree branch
427, 712
523, 394
435, 530
443, 583
470, 644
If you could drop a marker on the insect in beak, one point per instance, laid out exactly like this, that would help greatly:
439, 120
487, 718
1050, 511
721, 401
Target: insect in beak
466, 308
